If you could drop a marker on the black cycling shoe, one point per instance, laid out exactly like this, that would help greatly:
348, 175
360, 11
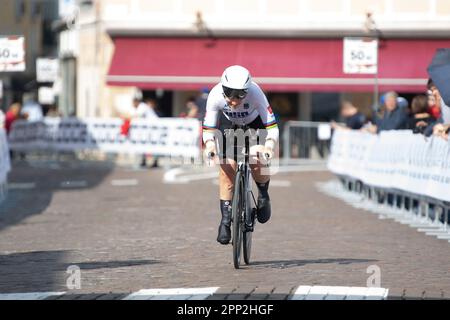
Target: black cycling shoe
263, 213
224, 235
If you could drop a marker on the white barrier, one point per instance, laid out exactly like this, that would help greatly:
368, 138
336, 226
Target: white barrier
164, 136
5, 165
395, 160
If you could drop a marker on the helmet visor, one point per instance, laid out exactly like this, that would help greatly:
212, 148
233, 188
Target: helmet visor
235, 93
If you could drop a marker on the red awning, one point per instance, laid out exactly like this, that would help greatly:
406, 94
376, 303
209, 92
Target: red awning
276, 64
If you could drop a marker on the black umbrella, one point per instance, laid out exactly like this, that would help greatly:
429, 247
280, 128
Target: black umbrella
439, 71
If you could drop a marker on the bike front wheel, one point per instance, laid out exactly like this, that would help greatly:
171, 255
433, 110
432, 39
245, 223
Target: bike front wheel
237, 209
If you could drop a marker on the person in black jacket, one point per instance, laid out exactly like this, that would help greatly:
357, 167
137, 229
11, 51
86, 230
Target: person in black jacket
420, 117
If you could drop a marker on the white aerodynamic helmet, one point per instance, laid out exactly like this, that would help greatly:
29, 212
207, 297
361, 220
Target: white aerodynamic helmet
235, 81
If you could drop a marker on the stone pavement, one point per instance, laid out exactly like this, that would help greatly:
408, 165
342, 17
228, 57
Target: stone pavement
126, 231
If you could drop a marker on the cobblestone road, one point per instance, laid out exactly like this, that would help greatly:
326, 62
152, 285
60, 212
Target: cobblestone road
126, 230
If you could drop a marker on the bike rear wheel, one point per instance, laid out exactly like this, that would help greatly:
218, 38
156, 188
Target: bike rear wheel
237, 208
247, 242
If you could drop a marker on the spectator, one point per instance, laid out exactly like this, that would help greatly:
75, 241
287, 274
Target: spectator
201, 103
441, 130
442, 126
33, 110
352, 118
433, 107
155, 114
2, 119
142, 110
153, 111
146, 109
445, 110
12, 115
53, 112
192, 109
392, 116
420, 118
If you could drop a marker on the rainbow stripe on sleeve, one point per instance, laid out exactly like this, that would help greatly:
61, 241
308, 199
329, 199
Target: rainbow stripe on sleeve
271, 125
208, 128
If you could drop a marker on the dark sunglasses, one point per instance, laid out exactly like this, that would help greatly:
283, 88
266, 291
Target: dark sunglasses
235, 93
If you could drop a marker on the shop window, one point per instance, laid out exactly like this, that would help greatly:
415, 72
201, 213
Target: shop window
325, 106
284, 105
163, 100
35, 9
19, 9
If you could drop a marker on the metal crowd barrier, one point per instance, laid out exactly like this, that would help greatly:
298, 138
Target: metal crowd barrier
401, 175
426, 213
302, 140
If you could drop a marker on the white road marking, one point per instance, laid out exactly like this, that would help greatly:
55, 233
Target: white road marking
171, 176
280, 183
317, 293
21, 185
375, 293
339, 293
186, 175
170, 294
350, 293
200, 176
29, 295
73, 184
124, 182
301, 293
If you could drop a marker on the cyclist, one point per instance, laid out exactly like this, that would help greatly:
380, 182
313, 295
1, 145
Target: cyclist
237, 100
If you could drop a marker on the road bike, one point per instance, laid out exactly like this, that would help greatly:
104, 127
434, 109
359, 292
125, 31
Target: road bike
244, 205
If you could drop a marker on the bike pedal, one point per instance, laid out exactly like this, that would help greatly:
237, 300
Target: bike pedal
249, 228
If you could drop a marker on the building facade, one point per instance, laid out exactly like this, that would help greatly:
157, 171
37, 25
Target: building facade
172, 49
31, 19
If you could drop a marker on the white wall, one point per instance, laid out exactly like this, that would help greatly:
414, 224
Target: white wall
276, 15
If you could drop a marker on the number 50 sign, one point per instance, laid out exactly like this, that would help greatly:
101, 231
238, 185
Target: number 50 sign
360, 55
12, 54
